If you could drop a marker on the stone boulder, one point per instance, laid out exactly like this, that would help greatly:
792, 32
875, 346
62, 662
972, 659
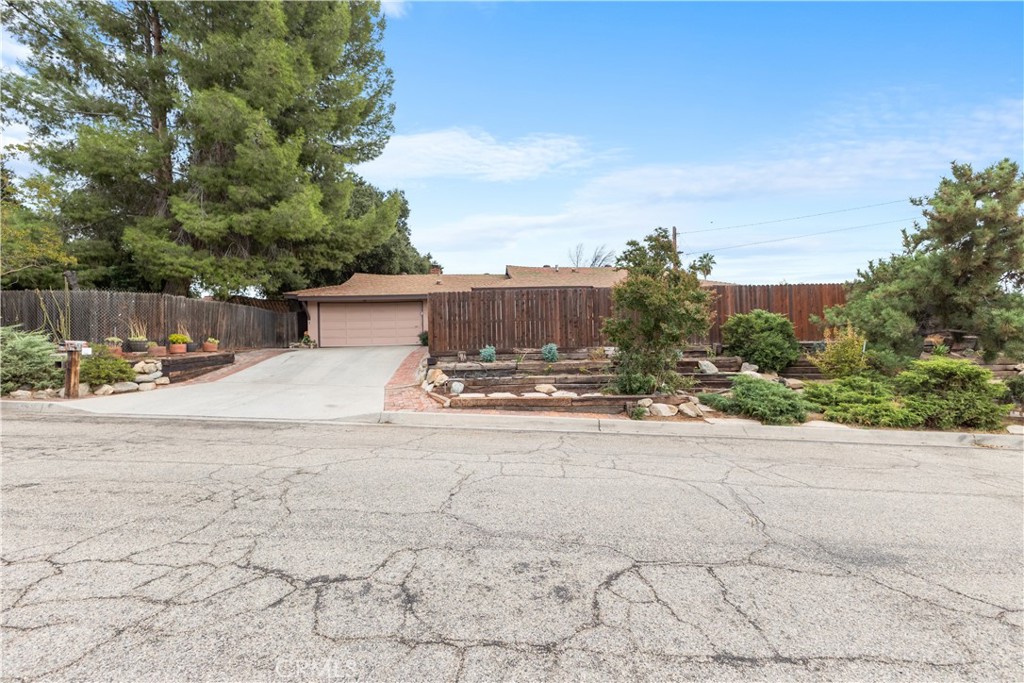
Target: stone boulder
456, 388
21, 395
545, 388
690, 410
162, 380
565, 394
124, 387
436, 376
663, 409
707, 367
645, 402
502, 394
104, 390
149, 377
793, 383
748, 367
83, 390
148, 386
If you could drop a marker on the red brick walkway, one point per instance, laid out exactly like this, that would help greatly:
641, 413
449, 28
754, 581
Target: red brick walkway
403, 392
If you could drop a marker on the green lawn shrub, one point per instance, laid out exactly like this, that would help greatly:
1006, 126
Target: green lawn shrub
887, 362
488, 354
26, 360
769, 402
549, 352
1015, 389
104, 368
765, 339
940, 393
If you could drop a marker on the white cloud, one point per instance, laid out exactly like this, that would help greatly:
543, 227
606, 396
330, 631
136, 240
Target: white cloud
475, 155
395, 9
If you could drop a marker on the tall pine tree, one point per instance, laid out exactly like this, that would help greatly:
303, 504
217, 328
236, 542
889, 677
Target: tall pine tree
207, 144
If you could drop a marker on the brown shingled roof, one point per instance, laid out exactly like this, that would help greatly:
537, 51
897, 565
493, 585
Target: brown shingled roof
366, 285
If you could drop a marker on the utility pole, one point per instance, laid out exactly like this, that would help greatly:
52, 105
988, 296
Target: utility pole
675, 246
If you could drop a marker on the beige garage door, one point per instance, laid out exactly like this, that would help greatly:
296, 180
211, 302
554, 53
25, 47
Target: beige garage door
385, 324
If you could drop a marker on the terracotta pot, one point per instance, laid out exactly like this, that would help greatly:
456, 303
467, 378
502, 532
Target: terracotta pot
115, 351
157, 351
177, 348
209, 348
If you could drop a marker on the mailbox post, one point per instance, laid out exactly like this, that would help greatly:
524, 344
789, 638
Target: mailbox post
74, 349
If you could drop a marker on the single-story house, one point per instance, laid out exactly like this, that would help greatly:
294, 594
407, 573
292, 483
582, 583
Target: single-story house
390, 310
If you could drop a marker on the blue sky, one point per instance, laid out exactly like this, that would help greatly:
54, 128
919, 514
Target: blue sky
525, 128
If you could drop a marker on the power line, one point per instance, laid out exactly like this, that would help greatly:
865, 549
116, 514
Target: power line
810, 234
797, 218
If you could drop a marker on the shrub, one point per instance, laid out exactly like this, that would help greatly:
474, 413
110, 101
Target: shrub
26, 359
549, 352
886, 362
488, 354
765, 339
843, 354
104, 368
950, 393
424, 338
638, 413
940, 393
179, 339
940, 350
1015, 389
769, 402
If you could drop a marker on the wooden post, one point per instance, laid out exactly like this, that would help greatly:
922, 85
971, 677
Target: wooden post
71, 371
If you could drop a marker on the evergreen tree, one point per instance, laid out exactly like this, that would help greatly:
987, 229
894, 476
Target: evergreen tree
207, 144
959, 271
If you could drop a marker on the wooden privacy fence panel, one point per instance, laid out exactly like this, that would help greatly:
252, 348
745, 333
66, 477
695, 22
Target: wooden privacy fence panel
93, 315
797, 302
571, 317
517, 318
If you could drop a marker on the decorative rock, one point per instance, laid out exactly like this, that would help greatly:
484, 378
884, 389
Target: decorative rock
456, 388
695, 400
707, 367
148, 386
566, 394
140, 367
83, 390
124, 387
645, 402
545, 388
436, 376
755, 375
690, 410
502, 394
426, 386
748, 366
534, 394
794, 383
104, 390
21, 395
40, 395
162, 380
150, 377
1015, 429
663, 409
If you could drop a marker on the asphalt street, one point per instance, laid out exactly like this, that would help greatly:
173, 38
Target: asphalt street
171, 550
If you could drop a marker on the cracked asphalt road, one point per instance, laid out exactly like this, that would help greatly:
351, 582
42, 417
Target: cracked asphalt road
152, 550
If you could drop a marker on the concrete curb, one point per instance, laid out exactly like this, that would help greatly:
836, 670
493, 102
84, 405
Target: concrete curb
715, 428
814, 432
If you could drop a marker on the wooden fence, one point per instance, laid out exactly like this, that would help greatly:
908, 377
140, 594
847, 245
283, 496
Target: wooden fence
571, 317
92, 315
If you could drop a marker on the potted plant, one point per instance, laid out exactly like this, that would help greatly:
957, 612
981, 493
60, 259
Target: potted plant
155, 349
178, 343
137, 336
114, 345
210, 344
191, 346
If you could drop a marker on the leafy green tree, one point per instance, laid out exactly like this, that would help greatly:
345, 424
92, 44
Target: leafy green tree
207, 143
963, 270
654, 310
394, 257
31, 242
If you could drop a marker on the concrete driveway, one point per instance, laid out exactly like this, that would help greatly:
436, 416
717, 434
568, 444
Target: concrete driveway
319, 384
